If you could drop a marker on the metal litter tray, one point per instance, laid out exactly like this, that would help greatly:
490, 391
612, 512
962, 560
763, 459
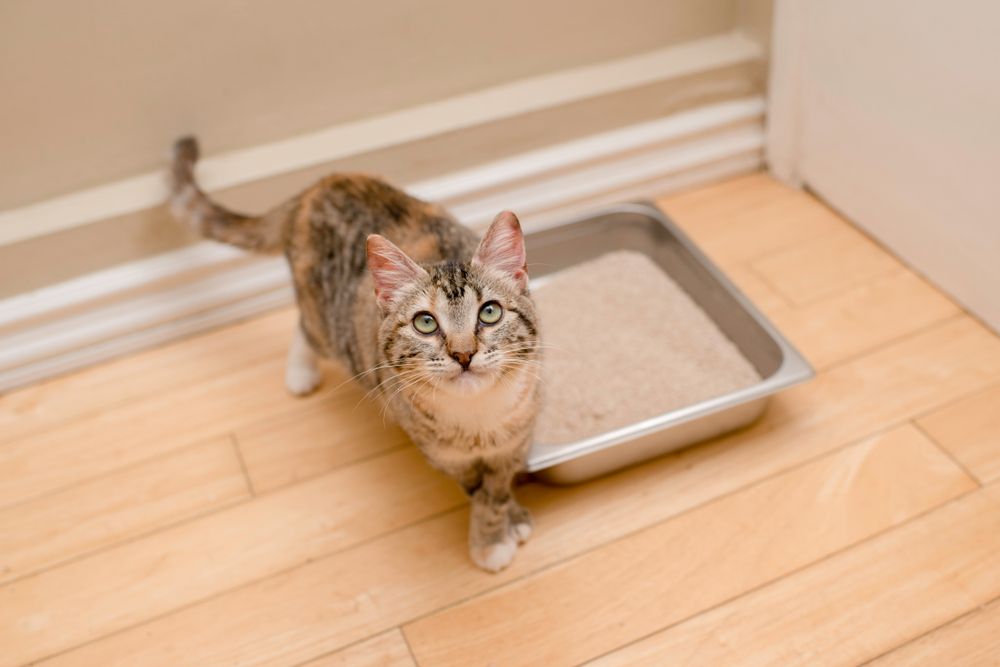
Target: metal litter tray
643, 227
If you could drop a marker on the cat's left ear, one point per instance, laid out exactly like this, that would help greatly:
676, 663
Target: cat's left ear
502, 248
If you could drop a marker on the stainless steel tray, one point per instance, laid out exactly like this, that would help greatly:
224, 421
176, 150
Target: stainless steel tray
643, 227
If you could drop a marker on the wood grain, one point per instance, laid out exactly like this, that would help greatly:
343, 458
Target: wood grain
814, 532
85, 599
830, 263
141, 430
848, 402
733, 231
970, 430
386, 650
854, 606
657, 576
158, 371
103, 511
756, 289
862, 318
315, 437
972, 640
359, 592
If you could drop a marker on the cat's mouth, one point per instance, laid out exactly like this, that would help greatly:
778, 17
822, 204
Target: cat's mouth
470, 379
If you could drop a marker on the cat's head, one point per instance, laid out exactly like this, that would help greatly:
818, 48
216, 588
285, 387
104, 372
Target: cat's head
457, 326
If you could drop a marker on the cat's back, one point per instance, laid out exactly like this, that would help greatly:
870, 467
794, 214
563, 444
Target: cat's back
338, 214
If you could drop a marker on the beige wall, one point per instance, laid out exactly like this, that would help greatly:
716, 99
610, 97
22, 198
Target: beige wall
64, 255
94, 90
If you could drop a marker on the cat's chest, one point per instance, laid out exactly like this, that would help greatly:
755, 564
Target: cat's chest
474, 415
487, 423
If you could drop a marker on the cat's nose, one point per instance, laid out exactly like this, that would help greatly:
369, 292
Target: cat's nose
463, 358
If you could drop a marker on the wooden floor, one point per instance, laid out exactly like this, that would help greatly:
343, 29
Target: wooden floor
178, 508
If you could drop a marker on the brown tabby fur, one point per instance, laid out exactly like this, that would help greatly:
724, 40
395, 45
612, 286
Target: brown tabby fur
476, 430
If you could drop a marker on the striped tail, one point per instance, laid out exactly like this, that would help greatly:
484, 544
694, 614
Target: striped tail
191, 206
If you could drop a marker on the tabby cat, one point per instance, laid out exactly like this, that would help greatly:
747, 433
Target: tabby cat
438, 325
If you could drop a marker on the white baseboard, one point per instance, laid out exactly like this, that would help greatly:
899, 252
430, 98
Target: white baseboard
111, 312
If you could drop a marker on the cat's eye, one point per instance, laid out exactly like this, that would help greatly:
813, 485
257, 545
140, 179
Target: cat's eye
490, 313
425, 323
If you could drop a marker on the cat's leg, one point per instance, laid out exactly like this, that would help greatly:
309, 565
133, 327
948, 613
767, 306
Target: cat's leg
302, 374
492, 544
520, 522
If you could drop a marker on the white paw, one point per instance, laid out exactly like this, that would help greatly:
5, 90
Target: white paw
301, 379
494, 557
520, 531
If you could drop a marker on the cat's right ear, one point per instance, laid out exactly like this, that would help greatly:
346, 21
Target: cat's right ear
391, 269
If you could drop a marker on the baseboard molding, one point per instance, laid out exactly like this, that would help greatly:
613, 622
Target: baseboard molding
315, 148
123, 309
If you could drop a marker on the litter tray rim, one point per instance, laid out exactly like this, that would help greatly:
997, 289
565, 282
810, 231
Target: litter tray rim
794, 368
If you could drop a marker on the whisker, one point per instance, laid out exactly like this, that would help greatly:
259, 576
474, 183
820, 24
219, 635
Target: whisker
373, 369
388, 383
415, 382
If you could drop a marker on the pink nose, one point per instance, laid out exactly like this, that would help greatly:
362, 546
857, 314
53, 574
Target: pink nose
463, 358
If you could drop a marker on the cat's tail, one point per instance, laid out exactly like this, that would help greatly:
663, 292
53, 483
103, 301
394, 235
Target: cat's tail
191, 206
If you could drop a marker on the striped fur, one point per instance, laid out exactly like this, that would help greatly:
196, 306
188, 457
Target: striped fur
467, 394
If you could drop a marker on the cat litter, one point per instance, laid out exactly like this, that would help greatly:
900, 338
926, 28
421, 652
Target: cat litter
649, 347
625, 343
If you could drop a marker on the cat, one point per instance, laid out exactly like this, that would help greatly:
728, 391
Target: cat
436, 323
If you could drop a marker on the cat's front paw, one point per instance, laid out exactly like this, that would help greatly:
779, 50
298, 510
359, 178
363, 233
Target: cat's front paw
494, 557
302, 379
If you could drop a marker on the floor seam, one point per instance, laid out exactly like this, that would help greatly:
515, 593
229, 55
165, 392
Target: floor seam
732, 492
829, 556
190, 519
956, 619
946, 452
243, 464
247, 584
409, 646
458, 508
867, 282
913, 333
200, 442
785, 300
40, 430
402, 624
132, 538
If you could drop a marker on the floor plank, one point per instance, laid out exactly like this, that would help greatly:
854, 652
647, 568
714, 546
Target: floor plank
732, 229
763, 296
852, 607
386, 650
156, 371
140, 430
862, 318
99, 513
315, 437
970, 430
884, 388
972, 640
830, 263
658, 576
84, 600
362, 591
351, 534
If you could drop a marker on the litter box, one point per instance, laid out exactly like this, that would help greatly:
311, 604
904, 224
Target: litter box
644, 228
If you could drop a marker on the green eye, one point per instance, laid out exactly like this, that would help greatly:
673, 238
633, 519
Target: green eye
425, 323
490, 313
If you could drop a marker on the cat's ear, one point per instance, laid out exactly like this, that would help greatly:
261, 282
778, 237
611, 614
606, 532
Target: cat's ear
502, 248
391, 269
